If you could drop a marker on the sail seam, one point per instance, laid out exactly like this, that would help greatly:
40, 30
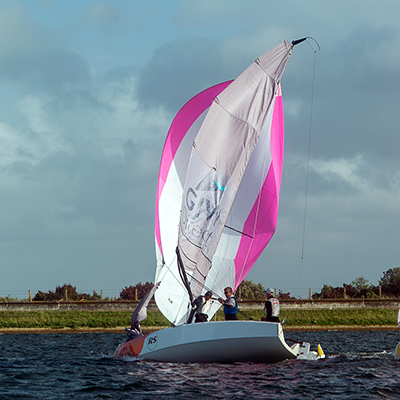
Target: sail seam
258, 62
217, 101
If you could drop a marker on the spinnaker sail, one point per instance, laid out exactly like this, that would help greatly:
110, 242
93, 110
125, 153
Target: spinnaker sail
218, 188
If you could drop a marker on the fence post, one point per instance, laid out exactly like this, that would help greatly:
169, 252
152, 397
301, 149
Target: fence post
101, 294
30, 296
66, 294
344, 292
309, 293
135, 294
380, 293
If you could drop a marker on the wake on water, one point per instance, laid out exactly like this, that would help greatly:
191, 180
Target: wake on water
358, 365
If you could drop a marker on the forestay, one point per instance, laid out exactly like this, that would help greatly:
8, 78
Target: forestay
219, 182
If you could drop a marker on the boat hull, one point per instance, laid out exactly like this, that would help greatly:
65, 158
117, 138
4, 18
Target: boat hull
212, 342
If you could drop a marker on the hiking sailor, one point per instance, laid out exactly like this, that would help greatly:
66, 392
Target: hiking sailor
134, 331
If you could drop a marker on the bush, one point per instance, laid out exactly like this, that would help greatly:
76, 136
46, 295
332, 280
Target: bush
285, 296
8, 299
129, 292
59, 294
248, 290
390, 282
358, 289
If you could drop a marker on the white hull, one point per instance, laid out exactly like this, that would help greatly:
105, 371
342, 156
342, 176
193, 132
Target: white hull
222, 342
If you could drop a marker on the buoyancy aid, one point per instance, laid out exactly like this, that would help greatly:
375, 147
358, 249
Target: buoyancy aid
231, 310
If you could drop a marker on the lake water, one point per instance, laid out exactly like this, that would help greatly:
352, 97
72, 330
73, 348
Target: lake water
359, 365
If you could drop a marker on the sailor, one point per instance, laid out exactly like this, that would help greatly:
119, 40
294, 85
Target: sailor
271, 307
134, 331
230, 305
203, 305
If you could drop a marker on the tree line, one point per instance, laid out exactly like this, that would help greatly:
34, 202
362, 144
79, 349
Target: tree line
388, 287
247, 289
69, 292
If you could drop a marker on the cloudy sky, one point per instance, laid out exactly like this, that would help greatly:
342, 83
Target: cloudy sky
89, 88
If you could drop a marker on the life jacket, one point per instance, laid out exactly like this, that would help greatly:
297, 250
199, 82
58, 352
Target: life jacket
275, 307
231, 311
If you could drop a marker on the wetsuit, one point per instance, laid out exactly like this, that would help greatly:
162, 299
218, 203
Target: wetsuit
202, 310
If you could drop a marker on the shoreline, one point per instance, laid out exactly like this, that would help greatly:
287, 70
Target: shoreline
149, 329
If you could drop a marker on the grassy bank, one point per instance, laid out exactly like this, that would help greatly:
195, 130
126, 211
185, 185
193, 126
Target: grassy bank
74, 319
114, 319
331, 318
363, 317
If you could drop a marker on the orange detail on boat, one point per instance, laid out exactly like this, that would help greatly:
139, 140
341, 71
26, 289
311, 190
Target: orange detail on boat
132, 348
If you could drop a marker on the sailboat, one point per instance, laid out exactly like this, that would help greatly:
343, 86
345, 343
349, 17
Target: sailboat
216, 210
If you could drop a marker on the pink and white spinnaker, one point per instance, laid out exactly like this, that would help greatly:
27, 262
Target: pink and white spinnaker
218, 186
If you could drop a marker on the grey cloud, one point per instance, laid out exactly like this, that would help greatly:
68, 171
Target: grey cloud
354, 112
179, 70
45, 69
103, 14
34, 58
87, 201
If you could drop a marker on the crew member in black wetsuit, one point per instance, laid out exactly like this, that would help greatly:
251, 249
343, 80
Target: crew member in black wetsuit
203, 306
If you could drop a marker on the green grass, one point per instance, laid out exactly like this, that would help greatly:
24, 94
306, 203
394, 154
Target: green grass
336, 317
75, 319
112, 319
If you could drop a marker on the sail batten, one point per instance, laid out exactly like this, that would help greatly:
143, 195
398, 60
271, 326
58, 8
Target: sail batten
221, 168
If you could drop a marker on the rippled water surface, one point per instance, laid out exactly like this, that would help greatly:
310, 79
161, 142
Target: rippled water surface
359, 365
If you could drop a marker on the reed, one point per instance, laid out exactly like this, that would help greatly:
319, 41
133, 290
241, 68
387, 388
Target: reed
114, 319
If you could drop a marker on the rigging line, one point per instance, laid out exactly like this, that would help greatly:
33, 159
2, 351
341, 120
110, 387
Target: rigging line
208, 289
180, 282
168, 268
238, 231
183, 275
316, 43
203, 284
308, 154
